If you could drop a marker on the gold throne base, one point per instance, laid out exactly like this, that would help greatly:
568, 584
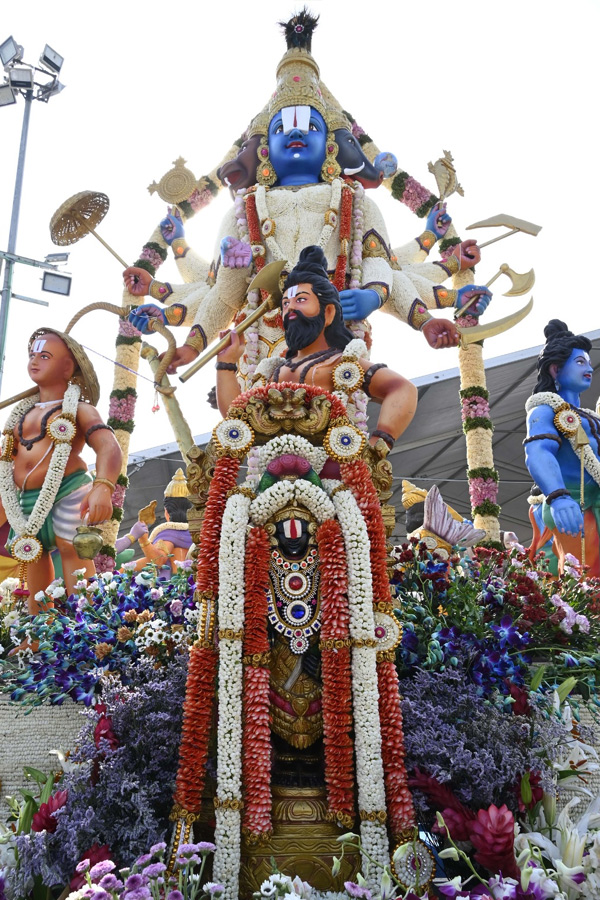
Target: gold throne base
303, 843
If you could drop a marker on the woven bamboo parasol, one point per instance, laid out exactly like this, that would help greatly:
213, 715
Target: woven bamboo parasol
78, 216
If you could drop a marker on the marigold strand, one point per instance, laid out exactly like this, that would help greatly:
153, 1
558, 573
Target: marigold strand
336, 671
399, 799
223, 480
256, 739
197, 717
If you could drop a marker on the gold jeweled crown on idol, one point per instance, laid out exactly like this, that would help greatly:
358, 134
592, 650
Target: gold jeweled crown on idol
177, 487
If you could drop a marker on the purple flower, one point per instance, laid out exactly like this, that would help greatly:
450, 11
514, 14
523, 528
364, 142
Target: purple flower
212, 888
176, 608
154, 870
142, 860
158, 848
355, 890
82, 866
134, 882
175, 895
110, 882
101, 868
139, 894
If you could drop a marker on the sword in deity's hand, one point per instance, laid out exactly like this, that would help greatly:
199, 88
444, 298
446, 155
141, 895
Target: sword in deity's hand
266, 280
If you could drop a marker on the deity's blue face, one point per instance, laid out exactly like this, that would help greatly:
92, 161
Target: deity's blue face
576, 374
297, 138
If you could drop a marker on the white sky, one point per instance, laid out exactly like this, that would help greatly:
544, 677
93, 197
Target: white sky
510, 88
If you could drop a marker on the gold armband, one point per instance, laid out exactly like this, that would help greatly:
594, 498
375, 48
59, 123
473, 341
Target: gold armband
450, 265
160, 290
382, 291
175, 314
418, 315
444, 297
180, 247
197, 339
426, 240
105, 481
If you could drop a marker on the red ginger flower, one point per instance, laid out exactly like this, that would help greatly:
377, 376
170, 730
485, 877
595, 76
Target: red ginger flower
44, 819
492, 835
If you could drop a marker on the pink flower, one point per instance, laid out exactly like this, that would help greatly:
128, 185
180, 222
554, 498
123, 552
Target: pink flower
474, 408
415, 195
104, 563
481, 489
200, 199
126, 329
122, 409
151, 256
95, 854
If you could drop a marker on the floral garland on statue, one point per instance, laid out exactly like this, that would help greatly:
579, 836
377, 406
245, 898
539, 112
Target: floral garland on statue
347, 380
337, 678
25, 546
228, 800
567, 421
367, 729
121, 412
202, 669
281, 493
256, 755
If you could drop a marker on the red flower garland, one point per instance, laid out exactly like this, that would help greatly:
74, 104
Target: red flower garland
224, 478
202, 672
256, 740
336, 671
197, 717
339, 278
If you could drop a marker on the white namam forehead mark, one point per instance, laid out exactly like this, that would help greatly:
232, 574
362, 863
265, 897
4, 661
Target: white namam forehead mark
292, 291
38, 345
295, 117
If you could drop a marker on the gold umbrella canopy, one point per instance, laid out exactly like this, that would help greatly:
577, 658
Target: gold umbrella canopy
77, 216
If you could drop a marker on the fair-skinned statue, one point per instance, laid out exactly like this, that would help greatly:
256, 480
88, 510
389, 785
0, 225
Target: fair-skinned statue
42, 467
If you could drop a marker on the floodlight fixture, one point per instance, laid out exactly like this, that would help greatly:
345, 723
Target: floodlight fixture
20, 78
7, 95
56, 284
56, 257
10, 51
51, 59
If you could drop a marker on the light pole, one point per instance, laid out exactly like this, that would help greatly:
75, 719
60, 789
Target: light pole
20, 78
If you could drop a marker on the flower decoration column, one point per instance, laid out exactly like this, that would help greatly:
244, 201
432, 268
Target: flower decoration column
478, 429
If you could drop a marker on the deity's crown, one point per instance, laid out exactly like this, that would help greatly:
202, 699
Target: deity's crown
298, 79
292, 511
177, 487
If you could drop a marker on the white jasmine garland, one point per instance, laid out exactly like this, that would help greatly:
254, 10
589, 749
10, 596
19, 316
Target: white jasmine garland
266, 367
555, 402
30, 526
226, 861
365, 693
326, 232
232, 552
314, 499
294, 444
231, 562
356, 350
267, 503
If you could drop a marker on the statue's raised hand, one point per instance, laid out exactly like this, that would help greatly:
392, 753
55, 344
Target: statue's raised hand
137, 281
171, 226
480, 295
138, 529
358, 303
235, 254
140, 317
438, 220
467, 253
567, 515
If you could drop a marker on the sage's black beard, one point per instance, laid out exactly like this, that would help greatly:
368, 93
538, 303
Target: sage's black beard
302, 331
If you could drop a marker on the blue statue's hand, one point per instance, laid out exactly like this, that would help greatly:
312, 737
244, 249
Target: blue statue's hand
171, 227
358, 303
567, 515
438, 220
140, 317
473, 299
